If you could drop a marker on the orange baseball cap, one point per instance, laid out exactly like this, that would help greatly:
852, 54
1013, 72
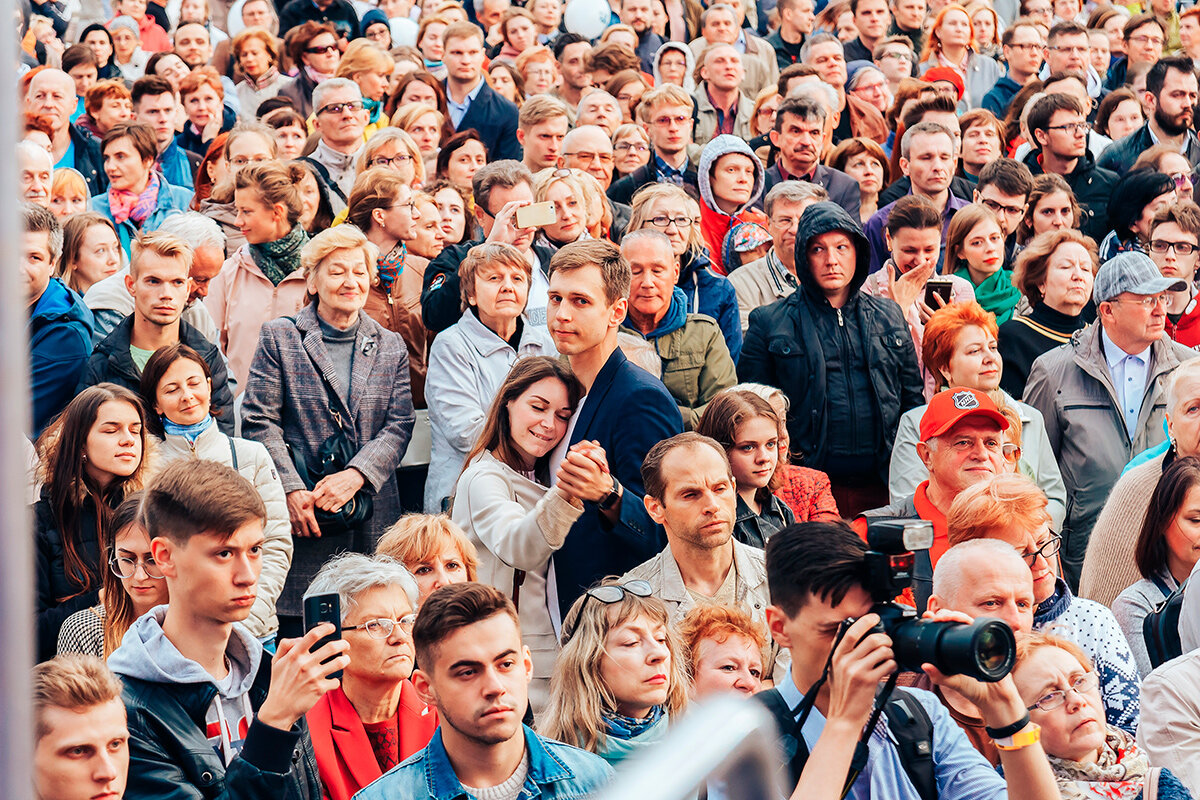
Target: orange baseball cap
954, 404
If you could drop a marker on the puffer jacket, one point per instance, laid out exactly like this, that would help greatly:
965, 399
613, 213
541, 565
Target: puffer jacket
1073, 388
783, 349
253, 463
715, 223
1093, 187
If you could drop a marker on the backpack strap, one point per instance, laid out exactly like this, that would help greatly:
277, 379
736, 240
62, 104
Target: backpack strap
325, 177
794, 749
909, 722
1161, 584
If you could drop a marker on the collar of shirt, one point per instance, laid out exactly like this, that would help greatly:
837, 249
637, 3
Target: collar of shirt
740, 44
1182, 148
466, 103
787, 176
779, 275
1114, 355
663, 168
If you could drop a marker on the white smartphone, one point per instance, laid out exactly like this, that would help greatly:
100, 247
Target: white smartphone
535, 215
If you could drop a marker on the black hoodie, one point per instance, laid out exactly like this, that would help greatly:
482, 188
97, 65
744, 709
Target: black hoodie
849, 372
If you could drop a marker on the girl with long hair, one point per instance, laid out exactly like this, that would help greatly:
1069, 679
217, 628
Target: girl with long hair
975, 251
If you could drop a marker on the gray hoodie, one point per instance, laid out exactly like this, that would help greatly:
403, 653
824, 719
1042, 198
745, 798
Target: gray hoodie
147, 654
689, 83
720, 146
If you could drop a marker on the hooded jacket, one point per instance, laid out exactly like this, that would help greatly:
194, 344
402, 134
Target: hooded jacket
711, 294
1093, 188
172, 703
715, 223
789, 343
689, 83
60, 340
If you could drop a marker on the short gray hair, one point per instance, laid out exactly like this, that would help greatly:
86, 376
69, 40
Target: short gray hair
815, 91
647, 233
922, 129
332, 85
950, 573
794, 192
27, 149
1188, 369
350, 574
195, 229
717, 7
816, 39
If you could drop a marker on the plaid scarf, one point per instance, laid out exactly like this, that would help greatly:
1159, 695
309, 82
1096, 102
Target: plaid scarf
125, 205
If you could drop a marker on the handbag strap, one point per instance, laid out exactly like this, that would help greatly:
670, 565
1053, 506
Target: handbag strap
330, 395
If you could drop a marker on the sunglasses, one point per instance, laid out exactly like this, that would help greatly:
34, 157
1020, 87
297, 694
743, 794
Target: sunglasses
607, 594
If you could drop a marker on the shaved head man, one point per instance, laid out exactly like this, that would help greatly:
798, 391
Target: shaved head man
590, 149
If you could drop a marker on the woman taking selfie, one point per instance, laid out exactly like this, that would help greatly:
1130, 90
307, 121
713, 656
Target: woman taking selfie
91, 457
504, 503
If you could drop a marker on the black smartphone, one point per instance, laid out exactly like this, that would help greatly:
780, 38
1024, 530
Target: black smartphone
320, 608
940, 287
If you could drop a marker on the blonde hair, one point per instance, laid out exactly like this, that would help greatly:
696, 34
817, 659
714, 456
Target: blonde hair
666, 95
539, 109
578, 694
1030, 643
363, 55
544, 179
163, 245
68, 179
328, 242
985, 510
73, 682
409, 113
681, 200
376, 142
418, 537
262, 35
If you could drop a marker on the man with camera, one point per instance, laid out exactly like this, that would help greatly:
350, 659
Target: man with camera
821, 577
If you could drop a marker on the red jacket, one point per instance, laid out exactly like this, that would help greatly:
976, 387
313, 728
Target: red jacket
1187, 330
345, 759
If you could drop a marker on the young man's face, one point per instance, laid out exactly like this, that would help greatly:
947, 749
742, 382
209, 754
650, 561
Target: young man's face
578, 313
930, 163
810, 633
872, 19
1008, 208
36, 264
158, 111
84, 755
543, 142
479, 680
218, 576
464, 59
160, 290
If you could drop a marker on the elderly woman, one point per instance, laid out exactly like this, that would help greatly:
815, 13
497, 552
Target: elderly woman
256, 52
313, 48
331, 379
959, 349
138, 197
722, 651
430, 240
1054, 272
1061, 688
371, 68
469, 360
394, 150
865, 161
374, 719
695, 360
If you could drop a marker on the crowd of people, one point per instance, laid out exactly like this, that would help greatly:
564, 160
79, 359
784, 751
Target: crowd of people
436, 399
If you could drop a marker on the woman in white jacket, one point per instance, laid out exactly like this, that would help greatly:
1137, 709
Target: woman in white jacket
503, 503
176, 384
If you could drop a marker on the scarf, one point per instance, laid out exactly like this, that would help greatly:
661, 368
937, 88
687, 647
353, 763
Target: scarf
623, 727
125, 205
264, 81
280, 258
1117, 774
316, 77
432, 65
996, 294
189, 432
390, 266
373, 106
625, 736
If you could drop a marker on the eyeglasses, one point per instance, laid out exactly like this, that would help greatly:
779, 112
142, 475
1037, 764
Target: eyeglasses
354, 106
1071, 127
1161, 246
603, 158
1025, 45
321, 51
637, 147
1183, 180
382, 628
615, 592
1008, 211
663, 122
127, 568
411, 205
242, 161
1142, 39
1049, 549
1084, 683
1012, 453
394, 161
899, 55
1148, 302
665, 222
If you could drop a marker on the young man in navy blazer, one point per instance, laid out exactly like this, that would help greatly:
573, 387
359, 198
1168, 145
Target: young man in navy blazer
626, 412
471, 102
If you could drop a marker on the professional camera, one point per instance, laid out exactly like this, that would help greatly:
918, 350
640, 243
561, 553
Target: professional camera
984, 649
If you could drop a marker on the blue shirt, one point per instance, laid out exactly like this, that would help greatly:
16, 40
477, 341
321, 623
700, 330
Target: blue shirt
1129, 373
961, 772
668, 173
68, 159
459, 110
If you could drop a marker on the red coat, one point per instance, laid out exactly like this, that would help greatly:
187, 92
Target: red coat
345, 759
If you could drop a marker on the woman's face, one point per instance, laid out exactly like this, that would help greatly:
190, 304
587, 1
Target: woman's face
372, 83
665, 207
983, 249
1183, 534
194, 11
981, 145
395, 156
114, 443
380, 34
465, 162
310, 198
132, 547
1142, 225
218, 170
570, 214
341, 282
521, 34
1180, 170
429, 240
1115, 28
1125, 119
388, 660
67, 201
289, 142
867, 171
100, 45
112, 111
441, 569
538, 419
673, 67
257, 221
734, 665
955, 30
202, 106
1183, 421
125, 43
1067, 286
636, 664
452, 213
733, 179
628, 96
254, 58
322, 53
1028, 543
630, 152
1053, 212
547, 14
500, 293
500, 79
754, 454
124, 167
431, 43
540, 76
764, 121
184, 393
419, 92
426, 132
1075, 730
985, 27
1066, 10
99, 255
975, 361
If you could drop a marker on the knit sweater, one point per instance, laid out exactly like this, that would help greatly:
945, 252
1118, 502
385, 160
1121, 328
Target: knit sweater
1108, 567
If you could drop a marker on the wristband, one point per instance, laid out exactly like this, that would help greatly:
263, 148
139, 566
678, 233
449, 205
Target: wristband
1008, 730
1020, 740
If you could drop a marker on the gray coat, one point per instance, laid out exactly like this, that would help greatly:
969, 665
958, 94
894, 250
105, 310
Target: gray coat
287, 404
1072, 387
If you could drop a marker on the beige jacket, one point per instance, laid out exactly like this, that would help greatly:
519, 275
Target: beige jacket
759, 63
760, 283
1169, 730
706, 115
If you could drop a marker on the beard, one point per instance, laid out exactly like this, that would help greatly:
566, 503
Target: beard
1170, 125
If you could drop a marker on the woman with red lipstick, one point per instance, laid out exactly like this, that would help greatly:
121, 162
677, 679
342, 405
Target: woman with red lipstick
620, 677
1090, 758
975, 251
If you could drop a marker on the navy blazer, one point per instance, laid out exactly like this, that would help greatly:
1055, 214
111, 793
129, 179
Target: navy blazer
495, 119
627, 411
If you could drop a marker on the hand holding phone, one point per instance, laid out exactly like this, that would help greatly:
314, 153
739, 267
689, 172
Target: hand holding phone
536, 215
298, 675
938, 287
324, 608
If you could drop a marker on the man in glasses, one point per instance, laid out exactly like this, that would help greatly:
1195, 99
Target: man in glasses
1022, 44
1004, 186
339, 119
1171, 95
1059, 127
666, 114
589, 148
475, 670
1068, 49
801, 126
1174, 236
1102, 394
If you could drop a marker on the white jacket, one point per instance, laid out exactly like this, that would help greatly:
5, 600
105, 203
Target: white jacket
517, 524
255, 465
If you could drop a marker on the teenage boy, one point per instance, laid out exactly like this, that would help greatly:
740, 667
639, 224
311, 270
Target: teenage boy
211, 714
476, 671
817, 579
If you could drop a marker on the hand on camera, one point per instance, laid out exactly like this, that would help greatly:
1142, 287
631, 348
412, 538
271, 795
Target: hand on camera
998, 702
860, 661
299, 678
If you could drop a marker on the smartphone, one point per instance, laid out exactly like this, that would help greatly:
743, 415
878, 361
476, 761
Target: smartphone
320, 608
536, 215
940, 287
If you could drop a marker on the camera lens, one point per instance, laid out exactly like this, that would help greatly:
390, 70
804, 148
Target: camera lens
985, 649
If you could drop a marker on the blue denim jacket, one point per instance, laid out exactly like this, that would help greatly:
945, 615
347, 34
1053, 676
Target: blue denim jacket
557, 771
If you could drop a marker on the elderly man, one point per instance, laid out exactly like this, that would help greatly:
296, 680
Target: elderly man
666, 114
721, 107
599, 108
855, 116
590, 149
721, 23
801, 126
36, 172
1102, 394
51, 94
340, 119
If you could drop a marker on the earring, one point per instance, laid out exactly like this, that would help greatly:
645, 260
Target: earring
85, 458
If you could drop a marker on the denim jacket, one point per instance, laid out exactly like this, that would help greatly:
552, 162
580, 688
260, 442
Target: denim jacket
557, 771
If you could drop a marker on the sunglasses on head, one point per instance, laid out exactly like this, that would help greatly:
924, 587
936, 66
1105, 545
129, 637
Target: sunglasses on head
607, 594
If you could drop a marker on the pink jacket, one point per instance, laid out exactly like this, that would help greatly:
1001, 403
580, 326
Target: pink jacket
241, 299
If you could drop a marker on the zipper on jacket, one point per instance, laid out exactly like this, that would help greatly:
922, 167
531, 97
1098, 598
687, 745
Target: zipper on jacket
841, 322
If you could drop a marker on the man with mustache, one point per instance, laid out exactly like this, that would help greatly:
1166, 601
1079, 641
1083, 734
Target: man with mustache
799, 135
1171, 92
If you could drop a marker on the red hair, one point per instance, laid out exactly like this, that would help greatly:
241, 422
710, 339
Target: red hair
201, 76
933, 42
718, 623
942, 329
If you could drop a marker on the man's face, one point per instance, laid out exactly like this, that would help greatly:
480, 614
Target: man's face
720, 27
809, 634
84, 755
1173, 108
989, 587
343, 128
479, 681
160, 290
1069, 52
192, 45
36, 264
600, 108
52, 94
829, 59
572, 66
1072, 87
799, 142
493, 11
577, 312
1172, 263
206, 263
970, 452
1145, 45
464, 59
36, 175
591, 151
1062, 141
1025, 53
723, 68
782, 225
158, 111
895, 62
543, 143
872, 19
949, 121
638, 14
670, 129
1127, 318
219, 576
1008, 208
930, 163
1189, 32
910, 14
499, 197
699, 502
833, 259
914, 247
655, 271
256, 14
84, 76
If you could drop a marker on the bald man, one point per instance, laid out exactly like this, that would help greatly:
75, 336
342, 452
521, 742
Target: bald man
589, 148
52, 94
